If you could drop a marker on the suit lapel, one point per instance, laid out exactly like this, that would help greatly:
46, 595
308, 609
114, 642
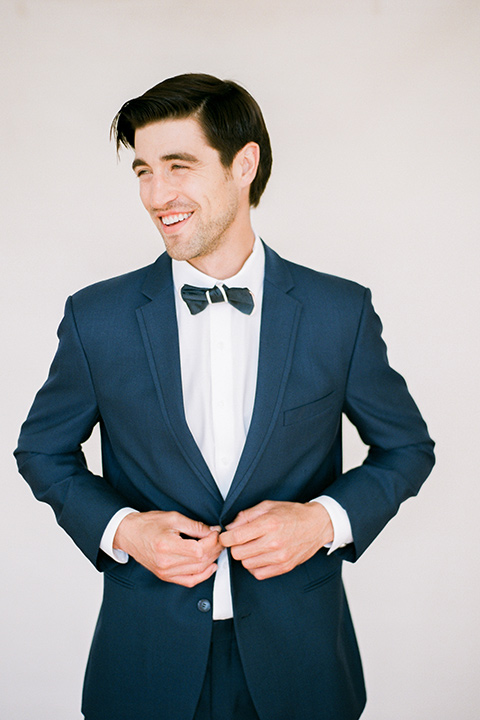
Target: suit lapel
280, 316
158, 324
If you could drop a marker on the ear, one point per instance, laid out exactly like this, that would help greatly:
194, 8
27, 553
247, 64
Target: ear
245, 164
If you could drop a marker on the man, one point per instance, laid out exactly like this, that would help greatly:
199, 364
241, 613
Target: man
219, 376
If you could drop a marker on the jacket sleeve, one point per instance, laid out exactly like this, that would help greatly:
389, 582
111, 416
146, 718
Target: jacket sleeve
49, 452
400, 455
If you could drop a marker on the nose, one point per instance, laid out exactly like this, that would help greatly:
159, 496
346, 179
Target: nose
161, 193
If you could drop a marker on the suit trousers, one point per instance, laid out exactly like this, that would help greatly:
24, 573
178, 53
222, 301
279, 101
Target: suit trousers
225, 693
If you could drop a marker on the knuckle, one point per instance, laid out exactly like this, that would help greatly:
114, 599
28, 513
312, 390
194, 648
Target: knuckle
171, 518
272, 524
162, 565
235, 552
160, 550
198, 552
257, 573
275, 545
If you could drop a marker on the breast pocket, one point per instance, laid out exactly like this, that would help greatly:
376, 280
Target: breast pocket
310, 410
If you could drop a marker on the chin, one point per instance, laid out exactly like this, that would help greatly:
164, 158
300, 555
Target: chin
177, 252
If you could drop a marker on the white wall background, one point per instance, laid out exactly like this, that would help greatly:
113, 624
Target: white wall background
374, 112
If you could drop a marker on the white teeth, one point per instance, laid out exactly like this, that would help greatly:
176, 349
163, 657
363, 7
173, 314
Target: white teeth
172, 219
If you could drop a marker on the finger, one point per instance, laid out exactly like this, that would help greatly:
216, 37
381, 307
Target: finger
250, 514
268, 571
210, 545
279, 560
252, 530
171, 549
192, 528
179, 556
172, 562
210, 539
252, 549
178, 552
190, 580
240, 535
169, 571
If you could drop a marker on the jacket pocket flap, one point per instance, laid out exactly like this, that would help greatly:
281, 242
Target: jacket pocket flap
314, 584
304, 412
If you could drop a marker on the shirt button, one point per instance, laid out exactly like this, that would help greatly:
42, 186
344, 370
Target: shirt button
204, 605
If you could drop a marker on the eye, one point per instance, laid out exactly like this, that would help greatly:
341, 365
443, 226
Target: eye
179, 167
139, 173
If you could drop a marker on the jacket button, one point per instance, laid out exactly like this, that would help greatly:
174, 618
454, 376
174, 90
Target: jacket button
204, 605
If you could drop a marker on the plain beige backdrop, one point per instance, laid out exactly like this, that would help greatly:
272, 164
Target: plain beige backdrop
374, 112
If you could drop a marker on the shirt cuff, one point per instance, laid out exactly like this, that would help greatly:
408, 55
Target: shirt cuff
342, 530
106, 543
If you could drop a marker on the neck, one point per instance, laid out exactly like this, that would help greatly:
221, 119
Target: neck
230, 255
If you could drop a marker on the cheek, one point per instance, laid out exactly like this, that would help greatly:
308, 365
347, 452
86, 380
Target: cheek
144, 195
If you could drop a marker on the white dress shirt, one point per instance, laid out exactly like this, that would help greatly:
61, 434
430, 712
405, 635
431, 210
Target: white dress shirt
219, 360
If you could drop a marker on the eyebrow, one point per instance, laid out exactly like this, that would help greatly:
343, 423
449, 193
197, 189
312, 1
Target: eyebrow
184, 157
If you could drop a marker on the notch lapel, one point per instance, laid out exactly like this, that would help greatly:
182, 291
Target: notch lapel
280, 316
158, 325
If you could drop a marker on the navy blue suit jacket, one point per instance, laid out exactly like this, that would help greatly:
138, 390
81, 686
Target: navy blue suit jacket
321, 355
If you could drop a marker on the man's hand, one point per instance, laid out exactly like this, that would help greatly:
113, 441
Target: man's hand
274, 537
155, 540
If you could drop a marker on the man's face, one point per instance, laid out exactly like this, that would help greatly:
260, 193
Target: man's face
191, 197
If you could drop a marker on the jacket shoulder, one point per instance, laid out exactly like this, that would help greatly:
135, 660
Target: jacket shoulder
127, 290
324, 281
130, 282
307, 283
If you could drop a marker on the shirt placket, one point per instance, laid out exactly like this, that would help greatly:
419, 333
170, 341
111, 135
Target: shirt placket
223, 434
222, 395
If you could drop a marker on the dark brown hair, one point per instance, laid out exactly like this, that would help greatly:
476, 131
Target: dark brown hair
228, 115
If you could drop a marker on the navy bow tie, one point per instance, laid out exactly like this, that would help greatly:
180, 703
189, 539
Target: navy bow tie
197, 298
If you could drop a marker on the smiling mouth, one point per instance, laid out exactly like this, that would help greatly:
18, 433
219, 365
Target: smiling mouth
174, 219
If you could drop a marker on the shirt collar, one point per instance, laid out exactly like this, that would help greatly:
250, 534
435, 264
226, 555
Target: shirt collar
250, 275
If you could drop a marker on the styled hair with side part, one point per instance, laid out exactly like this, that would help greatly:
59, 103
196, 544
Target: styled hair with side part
228, 115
